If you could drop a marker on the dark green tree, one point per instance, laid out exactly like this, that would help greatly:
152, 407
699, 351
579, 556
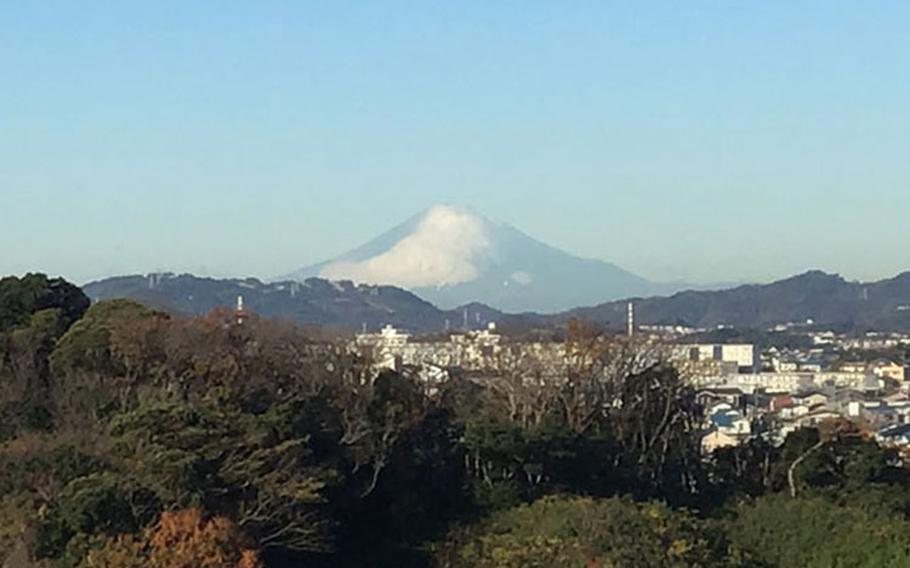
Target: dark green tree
574, 531
807, 532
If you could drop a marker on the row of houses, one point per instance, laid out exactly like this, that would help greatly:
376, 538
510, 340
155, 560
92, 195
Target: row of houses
774, 414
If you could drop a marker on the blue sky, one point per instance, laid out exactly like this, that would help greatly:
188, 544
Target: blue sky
700, 141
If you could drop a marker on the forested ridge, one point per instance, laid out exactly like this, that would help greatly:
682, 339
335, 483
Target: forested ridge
829, 300
132, 437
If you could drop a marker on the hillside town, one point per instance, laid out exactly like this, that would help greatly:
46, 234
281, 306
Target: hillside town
746, 391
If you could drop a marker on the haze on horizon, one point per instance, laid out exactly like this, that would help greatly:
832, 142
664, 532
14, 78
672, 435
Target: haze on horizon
707, 142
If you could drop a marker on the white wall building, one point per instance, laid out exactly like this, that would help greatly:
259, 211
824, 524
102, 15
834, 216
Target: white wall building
792, 382
767, 382
745, 355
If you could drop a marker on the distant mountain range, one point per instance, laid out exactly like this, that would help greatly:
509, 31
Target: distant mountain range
315, 301
827, 299
453, 255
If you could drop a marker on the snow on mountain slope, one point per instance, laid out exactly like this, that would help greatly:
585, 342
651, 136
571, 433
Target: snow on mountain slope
452, 255
443, 250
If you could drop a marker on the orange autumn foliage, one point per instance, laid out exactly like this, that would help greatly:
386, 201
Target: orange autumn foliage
181, 539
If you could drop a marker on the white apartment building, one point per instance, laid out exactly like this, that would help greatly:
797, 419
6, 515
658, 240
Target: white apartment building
793, 382
745, 355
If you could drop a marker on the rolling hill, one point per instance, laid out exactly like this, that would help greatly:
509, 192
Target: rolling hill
827, 299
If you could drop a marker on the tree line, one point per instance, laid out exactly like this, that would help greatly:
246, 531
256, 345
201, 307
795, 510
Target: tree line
132, 437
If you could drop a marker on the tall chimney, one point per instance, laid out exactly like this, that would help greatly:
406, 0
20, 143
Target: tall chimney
630, 323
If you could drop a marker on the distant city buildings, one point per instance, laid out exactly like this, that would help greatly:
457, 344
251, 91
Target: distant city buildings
746, 392
744, 356
473, 351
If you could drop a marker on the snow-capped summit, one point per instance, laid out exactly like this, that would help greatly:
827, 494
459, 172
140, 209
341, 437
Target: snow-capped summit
452, 255
445, 247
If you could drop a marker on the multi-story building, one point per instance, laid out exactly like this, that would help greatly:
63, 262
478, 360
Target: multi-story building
744, 355
474, 350
793, 382
889, 370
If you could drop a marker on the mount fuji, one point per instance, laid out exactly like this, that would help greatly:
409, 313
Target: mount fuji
452, 255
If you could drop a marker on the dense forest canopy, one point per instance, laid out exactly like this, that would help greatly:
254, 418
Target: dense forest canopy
132, 437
